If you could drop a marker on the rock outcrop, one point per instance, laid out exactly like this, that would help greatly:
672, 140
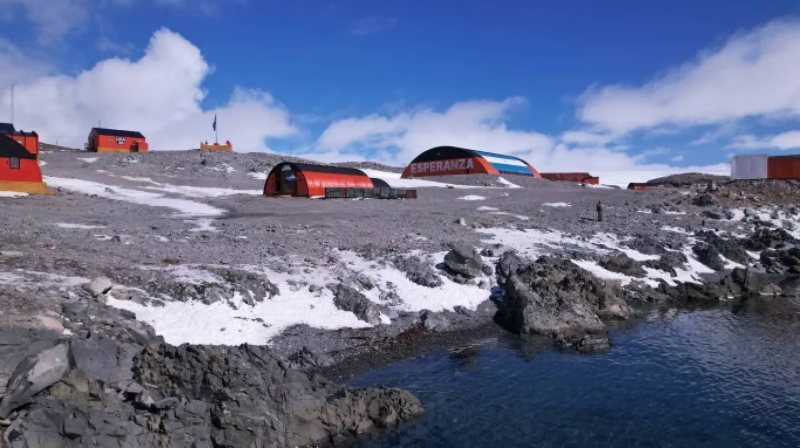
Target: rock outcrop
552, 296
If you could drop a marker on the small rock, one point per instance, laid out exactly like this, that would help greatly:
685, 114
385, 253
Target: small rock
122, 239
434, 321
461, 221
99, 286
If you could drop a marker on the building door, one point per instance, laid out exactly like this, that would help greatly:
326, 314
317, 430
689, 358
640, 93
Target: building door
287, 183
135, 147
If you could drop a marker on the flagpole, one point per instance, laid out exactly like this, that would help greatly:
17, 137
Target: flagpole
216, 133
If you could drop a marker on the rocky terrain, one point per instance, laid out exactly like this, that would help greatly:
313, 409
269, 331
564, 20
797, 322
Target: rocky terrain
159, 300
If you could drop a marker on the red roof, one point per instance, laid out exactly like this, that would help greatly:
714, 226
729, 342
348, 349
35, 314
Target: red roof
568, 177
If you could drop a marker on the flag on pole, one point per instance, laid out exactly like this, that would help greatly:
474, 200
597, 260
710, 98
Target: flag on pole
215, 122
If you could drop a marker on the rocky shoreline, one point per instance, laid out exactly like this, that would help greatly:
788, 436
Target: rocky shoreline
275, 304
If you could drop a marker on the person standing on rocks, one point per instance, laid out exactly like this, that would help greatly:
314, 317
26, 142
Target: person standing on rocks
599, 211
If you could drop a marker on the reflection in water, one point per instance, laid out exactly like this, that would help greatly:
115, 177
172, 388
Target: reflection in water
708, 378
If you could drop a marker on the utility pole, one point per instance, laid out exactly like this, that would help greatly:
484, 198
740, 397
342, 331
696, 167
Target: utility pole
12, 103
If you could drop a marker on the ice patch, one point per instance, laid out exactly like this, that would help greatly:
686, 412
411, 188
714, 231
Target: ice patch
192, 192
484, 208
556, 204
66, 225
184, 207
472, 197
89, 159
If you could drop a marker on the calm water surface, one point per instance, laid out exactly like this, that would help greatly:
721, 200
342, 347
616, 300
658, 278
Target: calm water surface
702, 379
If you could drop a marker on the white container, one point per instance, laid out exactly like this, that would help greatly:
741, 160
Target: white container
749, 167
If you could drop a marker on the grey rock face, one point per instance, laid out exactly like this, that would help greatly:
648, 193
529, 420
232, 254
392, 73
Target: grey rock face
33, 375
583, 343
254, 400
709, 256
348, 299
554, 296
465, 260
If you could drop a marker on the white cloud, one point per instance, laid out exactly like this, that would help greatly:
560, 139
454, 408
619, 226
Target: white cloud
754, 74
472, 124
159, 95
18, 66
587, 138
52, 18
398, 137
785, 141
678, 158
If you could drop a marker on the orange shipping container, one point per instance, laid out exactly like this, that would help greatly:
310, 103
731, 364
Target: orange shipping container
783, 167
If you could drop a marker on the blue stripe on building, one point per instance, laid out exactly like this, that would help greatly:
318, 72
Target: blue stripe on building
514, 169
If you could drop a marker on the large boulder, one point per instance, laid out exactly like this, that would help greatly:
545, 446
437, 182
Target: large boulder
465, 260
553, 296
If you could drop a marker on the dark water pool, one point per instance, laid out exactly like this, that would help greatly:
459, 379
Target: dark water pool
701, 379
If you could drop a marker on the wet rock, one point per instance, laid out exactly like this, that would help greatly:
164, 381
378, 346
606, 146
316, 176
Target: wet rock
99, 286
771, 289
348, 299
465, 260
583, 343
254, 400
434, 321
307, 358
554, 296
33, 375
623, 264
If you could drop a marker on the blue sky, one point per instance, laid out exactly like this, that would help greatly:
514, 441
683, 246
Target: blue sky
585, 84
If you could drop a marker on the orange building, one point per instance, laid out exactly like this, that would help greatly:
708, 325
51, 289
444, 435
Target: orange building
114, 140
19, 161
584, 178
205, 146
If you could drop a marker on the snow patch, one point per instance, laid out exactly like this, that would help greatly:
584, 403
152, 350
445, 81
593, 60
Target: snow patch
395, 181
89, 159
556, 204
12, 194
484, 208
184, 207
507, 183
258, 176
472, 197
66, 225
203, 225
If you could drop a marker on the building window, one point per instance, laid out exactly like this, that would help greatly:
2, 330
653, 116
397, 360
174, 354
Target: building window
14, 161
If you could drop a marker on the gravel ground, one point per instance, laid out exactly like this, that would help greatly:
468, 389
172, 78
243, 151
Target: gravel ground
78, 235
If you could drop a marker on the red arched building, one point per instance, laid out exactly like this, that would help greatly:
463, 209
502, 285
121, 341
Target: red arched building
307, 180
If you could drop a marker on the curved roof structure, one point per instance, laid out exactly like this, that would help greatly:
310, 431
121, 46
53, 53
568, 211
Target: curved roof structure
446, 160
309, 180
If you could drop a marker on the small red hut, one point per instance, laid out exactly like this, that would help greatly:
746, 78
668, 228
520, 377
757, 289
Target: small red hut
19, 166
115, 140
